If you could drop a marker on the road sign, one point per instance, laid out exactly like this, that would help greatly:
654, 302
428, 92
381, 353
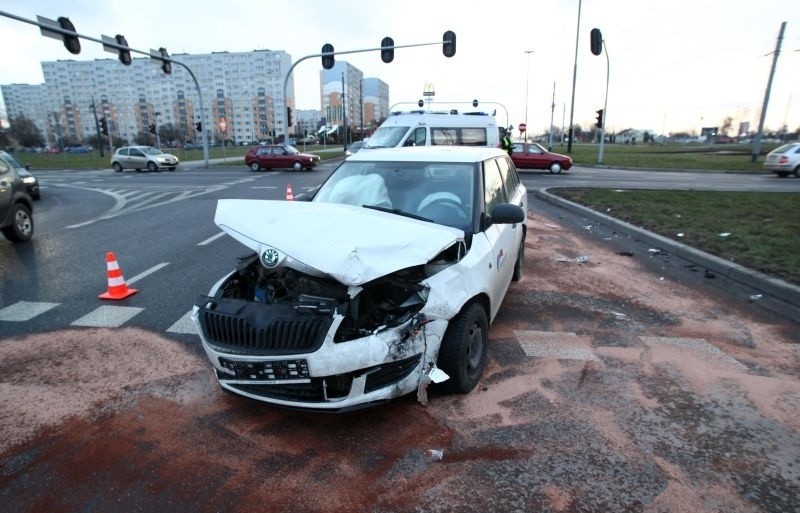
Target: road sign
522, 127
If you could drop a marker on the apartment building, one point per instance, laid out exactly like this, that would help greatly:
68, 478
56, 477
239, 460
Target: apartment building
242, 95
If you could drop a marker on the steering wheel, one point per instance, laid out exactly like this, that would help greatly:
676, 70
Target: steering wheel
444, 209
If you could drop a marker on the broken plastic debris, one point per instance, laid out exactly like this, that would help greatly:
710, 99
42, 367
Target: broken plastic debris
755, 297
619, 315
724, 234
709, 274
422, 389
680, 234
437, 375
579, 259
435, 454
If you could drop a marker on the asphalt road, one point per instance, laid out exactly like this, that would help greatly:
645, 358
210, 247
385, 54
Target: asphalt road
622, 383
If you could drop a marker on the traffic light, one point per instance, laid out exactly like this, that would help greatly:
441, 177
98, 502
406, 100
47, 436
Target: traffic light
152, 128
103, 126
596, 40
124, 55
449, 43
166, 65
599, 123
387, 54
199, 126
71, 43
289, 116
327, 60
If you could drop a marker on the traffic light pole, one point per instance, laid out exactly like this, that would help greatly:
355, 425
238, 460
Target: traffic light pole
326, 54
52, 29
605, 108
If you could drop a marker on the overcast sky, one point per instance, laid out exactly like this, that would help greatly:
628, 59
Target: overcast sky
675, 65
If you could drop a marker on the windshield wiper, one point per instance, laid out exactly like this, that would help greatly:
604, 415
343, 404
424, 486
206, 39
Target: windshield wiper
398, 212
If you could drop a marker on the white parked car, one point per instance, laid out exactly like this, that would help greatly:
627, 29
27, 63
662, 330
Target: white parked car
784, 160
384, 281
142, 157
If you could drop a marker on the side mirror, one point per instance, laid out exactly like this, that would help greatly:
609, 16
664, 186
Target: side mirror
506, 213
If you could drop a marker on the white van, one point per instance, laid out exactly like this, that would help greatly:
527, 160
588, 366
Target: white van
427, 128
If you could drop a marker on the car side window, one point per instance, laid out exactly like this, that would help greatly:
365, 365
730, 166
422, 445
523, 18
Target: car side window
262, 151
493, 191
534, 149
509, 175
123, 152
136, 153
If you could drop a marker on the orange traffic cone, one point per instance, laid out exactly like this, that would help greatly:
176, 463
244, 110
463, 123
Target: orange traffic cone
289, 195
117, 289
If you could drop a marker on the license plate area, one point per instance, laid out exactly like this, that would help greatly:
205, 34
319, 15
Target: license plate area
269, 372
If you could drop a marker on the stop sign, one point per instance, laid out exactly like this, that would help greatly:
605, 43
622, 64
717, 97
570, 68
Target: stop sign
522, 127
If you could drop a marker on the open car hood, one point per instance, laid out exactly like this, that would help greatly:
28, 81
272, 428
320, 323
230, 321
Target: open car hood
351, 244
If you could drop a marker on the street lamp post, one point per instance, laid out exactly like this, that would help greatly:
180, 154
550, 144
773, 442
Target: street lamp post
527, 80
574, 79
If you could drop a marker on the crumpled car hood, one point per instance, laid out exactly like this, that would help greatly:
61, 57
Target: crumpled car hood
351, 244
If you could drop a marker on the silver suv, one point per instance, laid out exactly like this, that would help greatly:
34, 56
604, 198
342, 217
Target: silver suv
16, 207
142, 157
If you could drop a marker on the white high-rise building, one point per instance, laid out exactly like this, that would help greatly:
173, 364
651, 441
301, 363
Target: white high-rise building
245, 89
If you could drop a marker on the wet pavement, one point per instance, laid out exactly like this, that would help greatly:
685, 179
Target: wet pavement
608, 388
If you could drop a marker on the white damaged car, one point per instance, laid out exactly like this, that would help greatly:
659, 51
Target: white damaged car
383, 282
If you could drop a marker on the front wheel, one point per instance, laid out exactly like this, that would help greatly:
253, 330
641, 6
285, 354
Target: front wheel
463, 352
254, 166
782, 174
117, 167
297, 166
21, 229
152, 167
555, 168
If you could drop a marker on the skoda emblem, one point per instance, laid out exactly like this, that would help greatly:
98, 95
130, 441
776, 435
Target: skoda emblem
270, 257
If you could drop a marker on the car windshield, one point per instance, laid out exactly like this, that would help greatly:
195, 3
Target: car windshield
441, 192
14, 162
387, 137
151, 151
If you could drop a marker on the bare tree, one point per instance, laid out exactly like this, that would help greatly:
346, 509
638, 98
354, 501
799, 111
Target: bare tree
25, 132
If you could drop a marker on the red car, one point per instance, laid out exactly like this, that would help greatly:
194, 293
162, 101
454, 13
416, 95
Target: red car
535, 156
270, 156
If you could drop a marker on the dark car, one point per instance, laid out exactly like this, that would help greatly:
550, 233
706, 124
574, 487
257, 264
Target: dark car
30, 181
277, 156
535, 156
16, 206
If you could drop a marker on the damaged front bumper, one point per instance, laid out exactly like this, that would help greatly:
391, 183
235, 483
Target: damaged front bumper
296, 360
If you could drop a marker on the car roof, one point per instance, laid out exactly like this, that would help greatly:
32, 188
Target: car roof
462, 154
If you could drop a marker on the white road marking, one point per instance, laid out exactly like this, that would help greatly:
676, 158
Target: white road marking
211, 239
184, 325
147, 272
550, 344
108, 317
264, 187
25, 310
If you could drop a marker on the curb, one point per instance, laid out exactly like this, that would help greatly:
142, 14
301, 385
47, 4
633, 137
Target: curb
774, 287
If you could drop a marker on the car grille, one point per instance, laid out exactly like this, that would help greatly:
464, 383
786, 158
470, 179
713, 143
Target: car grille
244, 327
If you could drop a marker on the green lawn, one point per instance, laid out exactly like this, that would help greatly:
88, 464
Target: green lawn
715, 157
763, 227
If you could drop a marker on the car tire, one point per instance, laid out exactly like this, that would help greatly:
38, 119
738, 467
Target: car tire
117, 167
255, 167
152, 167
171, 168
797, 172
782, 174
21, 228
462, 354
297, 166
520, 263
555, 168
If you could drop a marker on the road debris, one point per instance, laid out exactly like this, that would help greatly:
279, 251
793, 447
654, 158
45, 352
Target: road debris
579, 259
724, 234
435, 454
625, 253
